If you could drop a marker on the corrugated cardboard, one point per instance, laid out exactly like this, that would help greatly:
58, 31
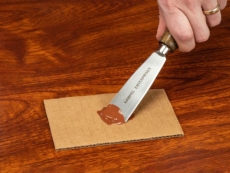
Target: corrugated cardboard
74, 121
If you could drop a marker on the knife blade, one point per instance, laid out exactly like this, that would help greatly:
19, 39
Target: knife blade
134, 90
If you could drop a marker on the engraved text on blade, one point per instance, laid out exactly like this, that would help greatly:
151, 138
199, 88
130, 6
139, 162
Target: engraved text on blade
137, 85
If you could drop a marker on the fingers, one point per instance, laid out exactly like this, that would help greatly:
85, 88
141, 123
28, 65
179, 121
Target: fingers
186, 21
197, 21
180, 28
215, 19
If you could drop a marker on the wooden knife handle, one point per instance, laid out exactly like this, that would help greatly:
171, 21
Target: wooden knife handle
168, 40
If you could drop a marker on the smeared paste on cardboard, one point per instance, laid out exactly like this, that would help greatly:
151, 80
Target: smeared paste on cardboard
111, 115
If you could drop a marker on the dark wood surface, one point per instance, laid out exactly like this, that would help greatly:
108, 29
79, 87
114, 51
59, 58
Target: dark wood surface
53, 48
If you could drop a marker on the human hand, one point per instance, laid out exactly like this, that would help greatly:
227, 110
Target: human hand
186, 21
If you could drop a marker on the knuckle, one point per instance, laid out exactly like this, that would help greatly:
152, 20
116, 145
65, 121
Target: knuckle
187, 48
190, 4
214, 23
166, 3
185, 36
202, 38
214, 20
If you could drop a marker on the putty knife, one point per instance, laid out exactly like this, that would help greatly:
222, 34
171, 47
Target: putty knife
131, 94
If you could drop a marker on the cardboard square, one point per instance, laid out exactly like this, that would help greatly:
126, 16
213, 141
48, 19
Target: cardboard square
74, 121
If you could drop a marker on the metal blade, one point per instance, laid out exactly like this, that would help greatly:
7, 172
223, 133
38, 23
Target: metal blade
131, 94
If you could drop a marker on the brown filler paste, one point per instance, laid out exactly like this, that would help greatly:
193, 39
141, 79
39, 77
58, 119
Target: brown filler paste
111, 115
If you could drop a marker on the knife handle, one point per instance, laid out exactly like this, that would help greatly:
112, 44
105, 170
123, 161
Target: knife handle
168, 40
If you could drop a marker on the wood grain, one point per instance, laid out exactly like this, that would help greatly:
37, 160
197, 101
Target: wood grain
52, 49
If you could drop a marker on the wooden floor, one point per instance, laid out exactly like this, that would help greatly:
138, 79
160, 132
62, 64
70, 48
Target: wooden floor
53, 48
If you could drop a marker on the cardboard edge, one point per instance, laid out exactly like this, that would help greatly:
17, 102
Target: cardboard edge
122, 142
